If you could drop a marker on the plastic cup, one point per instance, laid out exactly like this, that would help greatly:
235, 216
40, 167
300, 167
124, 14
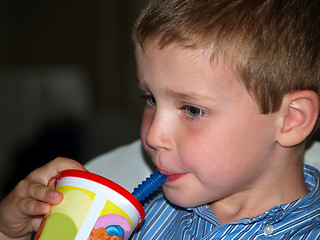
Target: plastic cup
93, 208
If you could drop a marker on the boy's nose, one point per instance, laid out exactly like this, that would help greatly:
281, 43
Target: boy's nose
159, 132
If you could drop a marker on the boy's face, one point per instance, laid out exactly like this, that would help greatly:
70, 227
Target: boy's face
201, 127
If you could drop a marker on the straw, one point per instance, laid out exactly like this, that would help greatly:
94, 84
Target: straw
148, 186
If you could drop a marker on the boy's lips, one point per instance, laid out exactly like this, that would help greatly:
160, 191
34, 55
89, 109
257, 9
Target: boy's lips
171, 176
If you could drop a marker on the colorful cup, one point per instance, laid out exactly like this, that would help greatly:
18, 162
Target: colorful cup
93, 208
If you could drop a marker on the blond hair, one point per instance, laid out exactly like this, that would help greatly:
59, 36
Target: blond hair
273, 44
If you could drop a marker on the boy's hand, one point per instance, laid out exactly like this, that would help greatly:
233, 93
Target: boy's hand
21, 212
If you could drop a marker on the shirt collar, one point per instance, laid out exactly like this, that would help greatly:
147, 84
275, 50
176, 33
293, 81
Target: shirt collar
312, 179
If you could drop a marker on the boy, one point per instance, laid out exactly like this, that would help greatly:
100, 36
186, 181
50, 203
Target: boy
232, 92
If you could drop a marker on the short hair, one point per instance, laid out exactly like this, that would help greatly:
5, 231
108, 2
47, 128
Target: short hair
273, 44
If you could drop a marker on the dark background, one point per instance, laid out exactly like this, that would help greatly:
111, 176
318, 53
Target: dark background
67, 82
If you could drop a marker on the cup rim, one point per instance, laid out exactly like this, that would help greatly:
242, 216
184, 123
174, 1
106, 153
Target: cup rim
106, 182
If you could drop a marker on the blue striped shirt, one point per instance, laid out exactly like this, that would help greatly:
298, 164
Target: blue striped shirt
296, 220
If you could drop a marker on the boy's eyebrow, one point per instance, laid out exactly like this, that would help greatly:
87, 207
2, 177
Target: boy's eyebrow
175, 94
187, 96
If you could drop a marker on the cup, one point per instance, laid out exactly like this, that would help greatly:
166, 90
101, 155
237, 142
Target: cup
93, 208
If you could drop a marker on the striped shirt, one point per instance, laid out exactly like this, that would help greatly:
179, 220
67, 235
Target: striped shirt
296, 220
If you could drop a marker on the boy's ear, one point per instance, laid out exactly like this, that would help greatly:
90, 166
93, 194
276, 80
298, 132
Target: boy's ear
299, 112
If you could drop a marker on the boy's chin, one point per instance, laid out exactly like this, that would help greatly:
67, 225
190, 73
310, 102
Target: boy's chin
182, 200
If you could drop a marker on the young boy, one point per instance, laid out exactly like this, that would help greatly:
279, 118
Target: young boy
232, 93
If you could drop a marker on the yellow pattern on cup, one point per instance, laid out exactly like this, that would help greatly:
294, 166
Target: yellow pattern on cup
64, 189
68, 215
111, 208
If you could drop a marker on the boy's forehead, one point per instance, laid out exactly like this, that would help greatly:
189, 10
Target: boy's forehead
203, 54
153, 50
191, 63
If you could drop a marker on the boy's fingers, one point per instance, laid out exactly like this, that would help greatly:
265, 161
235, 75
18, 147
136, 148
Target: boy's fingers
25, 206
51, 183
59, 164
31, 207
35, 223
40, 192
51, 170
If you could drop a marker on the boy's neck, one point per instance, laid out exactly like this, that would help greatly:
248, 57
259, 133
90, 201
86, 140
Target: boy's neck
283, 186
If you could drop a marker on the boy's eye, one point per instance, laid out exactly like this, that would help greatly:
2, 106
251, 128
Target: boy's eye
151, 100
194, 111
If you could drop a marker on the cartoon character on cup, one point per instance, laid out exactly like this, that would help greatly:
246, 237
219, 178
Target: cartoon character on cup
111, 227
113, 232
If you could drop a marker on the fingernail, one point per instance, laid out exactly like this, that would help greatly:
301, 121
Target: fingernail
54, 194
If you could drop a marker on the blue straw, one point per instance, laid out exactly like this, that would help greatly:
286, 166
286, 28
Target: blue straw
148, 186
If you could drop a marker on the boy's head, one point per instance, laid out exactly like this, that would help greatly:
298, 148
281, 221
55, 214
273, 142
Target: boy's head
272, 44
208, 70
